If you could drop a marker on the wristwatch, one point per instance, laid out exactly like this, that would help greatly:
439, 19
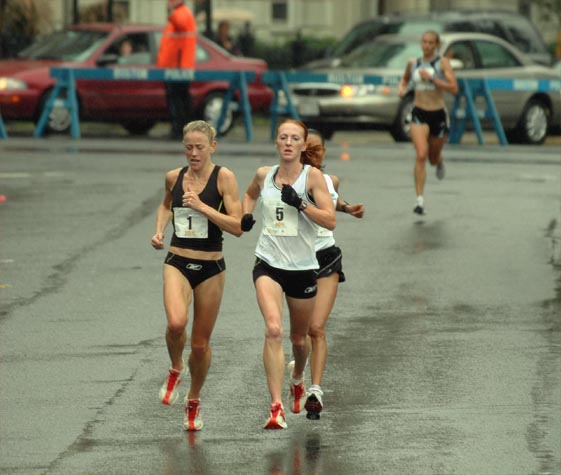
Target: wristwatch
303, 206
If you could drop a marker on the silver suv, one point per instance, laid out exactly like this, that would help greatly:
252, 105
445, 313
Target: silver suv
511, 27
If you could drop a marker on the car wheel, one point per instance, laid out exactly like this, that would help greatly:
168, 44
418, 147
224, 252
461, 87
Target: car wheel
59, 119
211, 108
533, 123
400, 128
140, 127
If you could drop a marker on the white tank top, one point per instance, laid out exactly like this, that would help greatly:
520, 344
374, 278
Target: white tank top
325, 237
287, 239
433, 67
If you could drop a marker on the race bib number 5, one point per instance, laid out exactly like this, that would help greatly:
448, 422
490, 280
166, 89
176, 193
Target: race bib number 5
190, 223
280, 219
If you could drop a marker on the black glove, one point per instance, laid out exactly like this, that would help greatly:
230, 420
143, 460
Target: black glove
247, 222
290, 197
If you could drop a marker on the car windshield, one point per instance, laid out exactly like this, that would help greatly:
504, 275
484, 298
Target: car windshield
365, 32
69, 45
381, 55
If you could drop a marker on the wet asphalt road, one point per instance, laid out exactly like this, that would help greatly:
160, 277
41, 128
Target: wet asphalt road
444, 341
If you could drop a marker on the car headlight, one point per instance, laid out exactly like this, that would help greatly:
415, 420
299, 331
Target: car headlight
349, 91
11, 84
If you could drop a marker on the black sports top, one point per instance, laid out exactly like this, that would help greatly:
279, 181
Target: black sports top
211, 197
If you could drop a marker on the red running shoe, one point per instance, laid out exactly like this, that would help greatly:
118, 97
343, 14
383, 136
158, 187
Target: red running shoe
192, 420
276, 419
168, 391
297, 391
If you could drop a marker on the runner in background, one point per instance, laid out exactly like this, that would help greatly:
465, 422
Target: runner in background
431, 76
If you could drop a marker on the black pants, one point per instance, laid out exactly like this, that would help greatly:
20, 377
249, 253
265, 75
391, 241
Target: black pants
180, 106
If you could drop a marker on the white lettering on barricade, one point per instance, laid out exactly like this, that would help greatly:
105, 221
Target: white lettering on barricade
345, 78
525, 84
130, 74
179, 74
555, 85
391, 80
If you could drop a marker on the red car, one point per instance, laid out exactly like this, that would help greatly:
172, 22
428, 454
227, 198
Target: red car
25, 82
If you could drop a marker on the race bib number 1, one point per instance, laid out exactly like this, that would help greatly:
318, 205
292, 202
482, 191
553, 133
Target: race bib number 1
280, 219
190, 223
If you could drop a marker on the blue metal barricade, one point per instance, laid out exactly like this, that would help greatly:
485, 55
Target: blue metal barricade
463, 111
3, 133
461, 114
468, 91
65, 90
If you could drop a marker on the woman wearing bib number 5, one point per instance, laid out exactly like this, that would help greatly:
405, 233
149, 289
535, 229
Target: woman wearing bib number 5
201, 200
294, 199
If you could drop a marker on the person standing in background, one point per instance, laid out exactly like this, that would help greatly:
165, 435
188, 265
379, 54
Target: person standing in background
224, 39
177, 50
246, 40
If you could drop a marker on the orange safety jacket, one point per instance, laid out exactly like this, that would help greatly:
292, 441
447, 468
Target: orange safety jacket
179, 40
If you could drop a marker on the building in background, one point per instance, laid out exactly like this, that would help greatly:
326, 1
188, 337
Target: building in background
281, 19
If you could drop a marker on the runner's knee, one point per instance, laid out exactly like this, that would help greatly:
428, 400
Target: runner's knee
273, 332
176, 327
317, 331
199, 349
298, 340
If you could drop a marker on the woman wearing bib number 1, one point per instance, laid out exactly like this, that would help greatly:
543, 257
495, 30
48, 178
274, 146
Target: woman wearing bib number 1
294, 199
201, 200
431, 76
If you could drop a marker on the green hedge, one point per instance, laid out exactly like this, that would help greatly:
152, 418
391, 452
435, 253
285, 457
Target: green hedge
292, 53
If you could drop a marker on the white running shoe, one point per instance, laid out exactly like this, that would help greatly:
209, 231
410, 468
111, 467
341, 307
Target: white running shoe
419, 206
169, 390
314, 402
440, 171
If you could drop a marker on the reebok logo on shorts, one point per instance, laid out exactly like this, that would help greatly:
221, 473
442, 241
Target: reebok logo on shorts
311, 289
193, 267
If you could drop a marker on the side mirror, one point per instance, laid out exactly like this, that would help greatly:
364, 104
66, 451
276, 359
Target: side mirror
335, 62
456, 63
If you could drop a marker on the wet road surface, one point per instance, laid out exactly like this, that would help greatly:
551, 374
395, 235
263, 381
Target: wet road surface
444, 341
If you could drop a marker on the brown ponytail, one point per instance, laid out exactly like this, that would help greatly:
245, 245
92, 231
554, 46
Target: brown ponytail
313, 155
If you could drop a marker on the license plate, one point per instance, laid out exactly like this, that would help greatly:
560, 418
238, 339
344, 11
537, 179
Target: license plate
308, 109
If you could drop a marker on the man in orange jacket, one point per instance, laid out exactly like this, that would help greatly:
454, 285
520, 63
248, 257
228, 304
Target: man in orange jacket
177, 50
